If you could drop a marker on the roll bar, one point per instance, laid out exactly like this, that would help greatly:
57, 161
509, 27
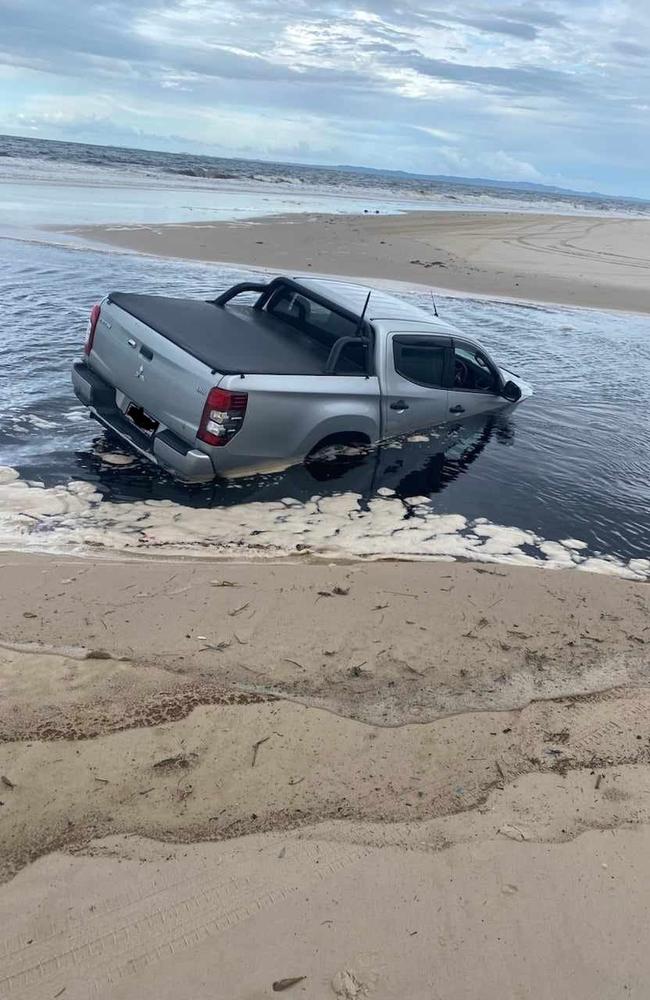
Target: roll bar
266, 291
243, 286
337, 350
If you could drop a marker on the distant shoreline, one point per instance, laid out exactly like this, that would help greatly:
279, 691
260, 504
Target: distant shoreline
589, 261
210, 167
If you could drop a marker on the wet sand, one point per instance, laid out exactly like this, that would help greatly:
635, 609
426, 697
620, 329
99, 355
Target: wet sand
574, 260
214, 773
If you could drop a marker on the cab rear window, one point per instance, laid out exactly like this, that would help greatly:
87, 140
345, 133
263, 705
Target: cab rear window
310, 317
324, 327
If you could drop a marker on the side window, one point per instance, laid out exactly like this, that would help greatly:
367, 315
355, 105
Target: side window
472, 370
420, 360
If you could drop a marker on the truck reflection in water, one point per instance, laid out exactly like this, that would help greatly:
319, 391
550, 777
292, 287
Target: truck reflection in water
417, 465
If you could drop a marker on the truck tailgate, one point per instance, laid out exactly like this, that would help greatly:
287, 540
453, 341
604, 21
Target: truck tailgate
149, 371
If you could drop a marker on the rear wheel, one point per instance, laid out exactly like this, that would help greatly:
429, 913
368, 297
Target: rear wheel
335, 454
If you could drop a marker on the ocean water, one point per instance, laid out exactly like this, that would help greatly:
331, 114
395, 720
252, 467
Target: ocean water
98, 184
564, 479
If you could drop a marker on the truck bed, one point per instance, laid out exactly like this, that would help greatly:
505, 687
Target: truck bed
230, 339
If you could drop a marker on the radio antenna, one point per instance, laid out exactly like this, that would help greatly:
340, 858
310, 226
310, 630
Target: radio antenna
363, 313
435, 308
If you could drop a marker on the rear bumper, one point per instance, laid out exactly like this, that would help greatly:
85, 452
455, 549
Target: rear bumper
164, 448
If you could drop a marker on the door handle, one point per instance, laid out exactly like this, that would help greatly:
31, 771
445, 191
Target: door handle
131, 342
400, 406
457, 409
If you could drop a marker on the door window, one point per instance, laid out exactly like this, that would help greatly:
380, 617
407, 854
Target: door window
472, 370
420, 360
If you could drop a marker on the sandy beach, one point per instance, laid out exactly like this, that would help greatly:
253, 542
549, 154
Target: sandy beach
213, 774
596, 261
258, 771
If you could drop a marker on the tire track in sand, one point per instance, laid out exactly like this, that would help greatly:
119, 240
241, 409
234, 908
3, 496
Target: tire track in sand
119, 940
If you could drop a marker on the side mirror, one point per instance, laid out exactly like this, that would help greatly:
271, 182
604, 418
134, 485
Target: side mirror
511, 392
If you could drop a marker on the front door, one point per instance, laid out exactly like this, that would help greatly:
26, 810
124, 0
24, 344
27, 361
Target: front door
416, 372
476, 386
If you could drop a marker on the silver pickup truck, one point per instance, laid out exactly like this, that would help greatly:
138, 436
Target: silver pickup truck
267, 375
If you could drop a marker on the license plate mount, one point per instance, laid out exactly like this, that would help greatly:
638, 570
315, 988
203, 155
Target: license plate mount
142, 420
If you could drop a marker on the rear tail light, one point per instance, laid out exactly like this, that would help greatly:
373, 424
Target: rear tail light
223, 415
92, 326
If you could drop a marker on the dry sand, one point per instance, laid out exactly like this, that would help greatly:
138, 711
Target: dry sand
575, 260
394, 780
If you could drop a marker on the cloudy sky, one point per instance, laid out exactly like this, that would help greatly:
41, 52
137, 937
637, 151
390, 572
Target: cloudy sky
555, 91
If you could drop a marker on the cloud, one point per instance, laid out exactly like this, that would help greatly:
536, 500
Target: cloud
503, 26
437, 133
494, 24
514, 79
536, 14
628, 48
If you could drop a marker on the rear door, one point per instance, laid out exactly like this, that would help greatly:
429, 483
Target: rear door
417, 368
476, 383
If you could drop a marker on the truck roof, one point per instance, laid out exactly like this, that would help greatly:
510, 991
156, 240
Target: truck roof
382, 305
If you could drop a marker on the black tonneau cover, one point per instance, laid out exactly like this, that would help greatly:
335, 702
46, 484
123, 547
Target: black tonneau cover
230, 339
